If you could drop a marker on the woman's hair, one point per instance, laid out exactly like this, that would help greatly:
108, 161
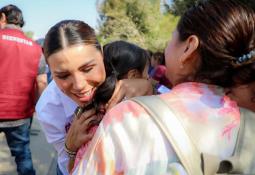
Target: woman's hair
119, 58
226, 33
13, 15
68, 33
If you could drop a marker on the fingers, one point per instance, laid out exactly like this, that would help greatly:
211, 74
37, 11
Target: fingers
85, 121
79, 131
86, 114
77, 123
88, 137
96, 120
90, 122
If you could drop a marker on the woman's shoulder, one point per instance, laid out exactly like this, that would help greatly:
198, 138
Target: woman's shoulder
127, 109
50, 95
206, 108
54, 102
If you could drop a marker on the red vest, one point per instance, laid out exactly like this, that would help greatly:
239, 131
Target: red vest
19, 63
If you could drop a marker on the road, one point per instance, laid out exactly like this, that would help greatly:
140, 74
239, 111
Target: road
43, 154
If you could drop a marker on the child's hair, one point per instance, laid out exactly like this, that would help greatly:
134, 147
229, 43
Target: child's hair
119, 58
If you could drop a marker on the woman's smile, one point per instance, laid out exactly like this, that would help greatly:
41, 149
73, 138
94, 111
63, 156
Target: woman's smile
78, 71
85, 96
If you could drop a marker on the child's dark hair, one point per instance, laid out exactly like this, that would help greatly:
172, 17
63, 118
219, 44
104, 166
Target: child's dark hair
119, 58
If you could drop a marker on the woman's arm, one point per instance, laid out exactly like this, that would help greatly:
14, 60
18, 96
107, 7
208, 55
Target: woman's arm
79, 134
55, 119
128, 88
53, 126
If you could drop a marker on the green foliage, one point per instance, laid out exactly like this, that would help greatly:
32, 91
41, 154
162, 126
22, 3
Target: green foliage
29, 34
137, 21
137, 16
178, 7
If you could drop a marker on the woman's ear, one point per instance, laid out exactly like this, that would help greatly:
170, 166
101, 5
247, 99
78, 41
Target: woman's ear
189, 53
134, 73
3, 21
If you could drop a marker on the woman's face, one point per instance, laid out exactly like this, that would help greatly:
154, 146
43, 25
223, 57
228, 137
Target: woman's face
244, 95
78, 71
173, 53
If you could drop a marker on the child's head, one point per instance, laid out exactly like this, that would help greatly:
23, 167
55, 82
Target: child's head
123, 60
126, 60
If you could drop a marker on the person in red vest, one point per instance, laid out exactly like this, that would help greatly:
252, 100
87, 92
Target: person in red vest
19, 77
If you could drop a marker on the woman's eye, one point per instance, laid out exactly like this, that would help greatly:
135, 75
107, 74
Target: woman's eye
62, 76
86, 70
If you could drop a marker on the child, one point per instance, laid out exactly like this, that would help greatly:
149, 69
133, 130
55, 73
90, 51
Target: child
213, 42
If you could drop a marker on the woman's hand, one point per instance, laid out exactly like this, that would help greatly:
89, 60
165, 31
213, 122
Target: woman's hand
78, 133
128, 88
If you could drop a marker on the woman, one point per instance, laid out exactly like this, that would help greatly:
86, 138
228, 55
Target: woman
76, 62
214, 41
121, 60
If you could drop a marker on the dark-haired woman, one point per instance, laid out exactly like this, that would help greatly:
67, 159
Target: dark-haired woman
213, 44
122, 60
76, 61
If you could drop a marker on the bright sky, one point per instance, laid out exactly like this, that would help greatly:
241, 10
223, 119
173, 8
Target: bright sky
40, 15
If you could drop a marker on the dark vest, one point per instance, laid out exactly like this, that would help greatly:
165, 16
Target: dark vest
19, 63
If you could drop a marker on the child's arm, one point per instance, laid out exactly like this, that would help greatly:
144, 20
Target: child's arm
128, 88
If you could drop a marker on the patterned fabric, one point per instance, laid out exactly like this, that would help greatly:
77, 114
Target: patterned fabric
129, 142
82, 150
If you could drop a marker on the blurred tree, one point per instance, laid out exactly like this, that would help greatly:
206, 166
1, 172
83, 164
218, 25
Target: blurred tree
29, 34
138, 21
178, 7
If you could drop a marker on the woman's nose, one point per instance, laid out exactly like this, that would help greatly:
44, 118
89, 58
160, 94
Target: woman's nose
79, 82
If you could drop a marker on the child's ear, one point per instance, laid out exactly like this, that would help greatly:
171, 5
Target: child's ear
132, 74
